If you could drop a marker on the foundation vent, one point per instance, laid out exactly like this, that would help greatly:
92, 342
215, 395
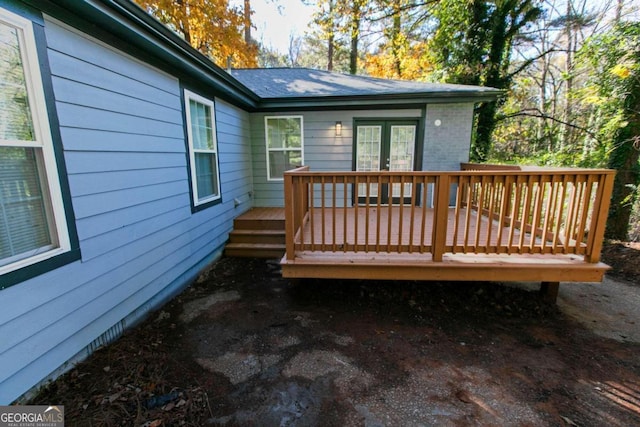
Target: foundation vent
109, 336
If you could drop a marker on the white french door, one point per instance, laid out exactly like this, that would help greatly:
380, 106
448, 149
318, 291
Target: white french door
385, 145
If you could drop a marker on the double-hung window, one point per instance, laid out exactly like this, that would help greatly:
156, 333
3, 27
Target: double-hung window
32, 217
284, 135
203, 149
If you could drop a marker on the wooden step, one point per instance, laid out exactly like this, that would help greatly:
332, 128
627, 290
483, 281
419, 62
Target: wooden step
252, 250
258, 224
257, 236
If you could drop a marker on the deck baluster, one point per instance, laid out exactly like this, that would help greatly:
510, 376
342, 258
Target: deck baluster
526, 213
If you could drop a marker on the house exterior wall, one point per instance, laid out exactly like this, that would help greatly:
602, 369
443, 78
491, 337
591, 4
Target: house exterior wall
444, 147
447, 145
323, 151
122, 130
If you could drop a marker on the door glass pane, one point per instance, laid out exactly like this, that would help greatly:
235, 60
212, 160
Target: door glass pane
401, 149
368, 152
23, 218
15, 116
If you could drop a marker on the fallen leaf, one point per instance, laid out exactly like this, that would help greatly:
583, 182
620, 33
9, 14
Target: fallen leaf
568, 421
463, 396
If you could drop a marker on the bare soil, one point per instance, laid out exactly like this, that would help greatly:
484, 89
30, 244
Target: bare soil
245, 347
624, 259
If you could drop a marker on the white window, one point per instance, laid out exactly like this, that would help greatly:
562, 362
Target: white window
284, 135
32, 217
203, 148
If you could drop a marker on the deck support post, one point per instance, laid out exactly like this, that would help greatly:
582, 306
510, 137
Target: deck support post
549, 291
289, 216
441, 216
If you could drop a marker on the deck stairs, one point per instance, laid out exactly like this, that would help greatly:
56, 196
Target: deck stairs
258, 233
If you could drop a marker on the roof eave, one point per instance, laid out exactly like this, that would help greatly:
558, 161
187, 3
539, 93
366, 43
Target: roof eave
130, 23
376, 101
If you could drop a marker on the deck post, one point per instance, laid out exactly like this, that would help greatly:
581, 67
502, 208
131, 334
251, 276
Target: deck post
289, 214
549, 291
441, 217
599, 218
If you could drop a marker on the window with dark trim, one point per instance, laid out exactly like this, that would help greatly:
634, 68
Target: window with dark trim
33, 221
284, 136
203, 148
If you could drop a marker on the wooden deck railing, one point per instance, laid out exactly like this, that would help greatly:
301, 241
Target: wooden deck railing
474, 211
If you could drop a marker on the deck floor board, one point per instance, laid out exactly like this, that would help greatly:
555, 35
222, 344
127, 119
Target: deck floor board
321, 229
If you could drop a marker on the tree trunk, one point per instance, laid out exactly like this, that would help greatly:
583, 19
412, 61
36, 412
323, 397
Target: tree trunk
396, 39
565, 137
331, 40
495, 70
619, 6
486, 122
624, 158
247, 22
355, 36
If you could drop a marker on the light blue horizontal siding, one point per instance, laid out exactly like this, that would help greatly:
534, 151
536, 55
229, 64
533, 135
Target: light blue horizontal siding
88, 162
72, 92
96, 204
323, 151
121, 237
76, 139
94, 53
102, 182
114, 220
124, 148
115, 80
77, 116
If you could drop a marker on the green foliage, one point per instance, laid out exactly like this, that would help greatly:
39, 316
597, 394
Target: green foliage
612, 88
473, 44
612, 91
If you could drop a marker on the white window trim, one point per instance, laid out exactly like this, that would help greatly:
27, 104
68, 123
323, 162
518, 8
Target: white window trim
188, 95
268, 150
43, 140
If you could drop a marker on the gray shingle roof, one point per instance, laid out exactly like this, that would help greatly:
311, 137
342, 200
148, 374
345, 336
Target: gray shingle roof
272, 83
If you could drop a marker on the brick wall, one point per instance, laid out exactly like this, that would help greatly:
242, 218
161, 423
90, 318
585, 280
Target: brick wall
447, 145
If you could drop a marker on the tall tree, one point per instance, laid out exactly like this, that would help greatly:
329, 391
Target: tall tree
615, 92
401, 53
246, 13
327, 21
356, 12
339, 24
473, 45
211, 26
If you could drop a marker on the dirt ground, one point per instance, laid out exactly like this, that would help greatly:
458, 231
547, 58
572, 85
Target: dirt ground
245, 347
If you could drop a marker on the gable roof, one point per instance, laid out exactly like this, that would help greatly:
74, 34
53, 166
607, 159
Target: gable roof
281, 88
130, 28
270, 83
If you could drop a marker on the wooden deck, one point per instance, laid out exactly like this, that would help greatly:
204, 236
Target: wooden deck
402, 230
485, 225
356, 248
